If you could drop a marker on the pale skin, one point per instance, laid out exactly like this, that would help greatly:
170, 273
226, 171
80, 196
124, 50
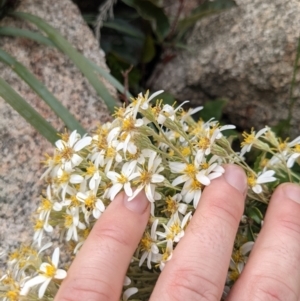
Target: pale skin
198, 268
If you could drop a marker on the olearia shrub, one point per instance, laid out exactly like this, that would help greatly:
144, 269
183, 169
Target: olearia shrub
151, 147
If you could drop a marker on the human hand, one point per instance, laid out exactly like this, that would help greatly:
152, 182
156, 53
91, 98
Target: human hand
199, 265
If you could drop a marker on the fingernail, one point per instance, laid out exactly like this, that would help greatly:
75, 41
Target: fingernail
138, 204
236, 177
292, 191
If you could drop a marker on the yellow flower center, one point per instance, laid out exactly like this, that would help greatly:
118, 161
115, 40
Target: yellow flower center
234, 275
128, 124
68, 220
145, 177
297, 148
251, 180
237, 256
146, 242
165, 255
67, 153
38, 225
204, 165
203, 143
74, 201
12, 295
190, 170
91, 169
50, 271
63, 178
175, 229
185, 151
248, 138
90, 202
195, 185
172, 205
122, 179
46, 204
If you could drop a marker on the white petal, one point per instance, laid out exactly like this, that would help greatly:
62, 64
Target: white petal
96, 213
82, 143
73, 138
32, 282
60, 145
55, 257
129, 292
128, 189
177, 167
180, 180
155, 94
202, 179
257, 189
44, 287
157, 178
76, 179
76, 160
100, 206
113, 176
60, 274
261, 132
246, 247
127, 281
114, 190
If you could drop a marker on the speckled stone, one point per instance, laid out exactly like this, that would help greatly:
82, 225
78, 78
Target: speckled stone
21, 147
245, 54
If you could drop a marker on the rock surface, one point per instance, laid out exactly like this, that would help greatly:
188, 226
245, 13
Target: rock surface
21, 147
245, 54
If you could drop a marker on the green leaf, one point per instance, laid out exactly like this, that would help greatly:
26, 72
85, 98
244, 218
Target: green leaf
203, 10
124, 27
255, 214
43, 92
149, 50
167, 98
153, 13
213, 109
37, 37
27, 112
78, 59
17, 32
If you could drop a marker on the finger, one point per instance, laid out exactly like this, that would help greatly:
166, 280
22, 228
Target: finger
198, 268
272, 271
99, 269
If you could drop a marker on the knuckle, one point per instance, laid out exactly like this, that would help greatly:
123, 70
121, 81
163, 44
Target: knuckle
289, 225
113, 235
228, 212
269, 288
88, 290
188, 284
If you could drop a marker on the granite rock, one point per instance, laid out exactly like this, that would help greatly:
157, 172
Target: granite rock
245, 54
21, 146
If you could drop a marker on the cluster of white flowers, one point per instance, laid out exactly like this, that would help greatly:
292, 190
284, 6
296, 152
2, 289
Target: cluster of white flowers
152, 147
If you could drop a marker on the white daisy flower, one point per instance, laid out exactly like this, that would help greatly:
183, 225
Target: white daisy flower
250, 139
149, 177
91, 203
122, 180
148, 245
175, 228
261, 178
68, 150
47, 272
72, 222
168, 112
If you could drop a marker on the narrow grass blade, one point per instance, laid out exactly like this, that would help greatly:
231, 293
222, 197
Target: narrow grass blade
18, 32
37, 37
27, 112
42, 91
78, 59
